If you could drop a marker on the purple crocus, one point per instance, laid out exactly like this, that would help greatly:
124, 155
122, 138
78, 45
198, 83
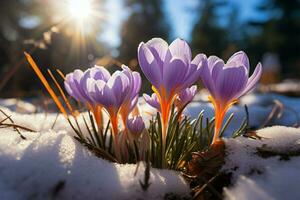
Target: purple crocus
131, 98
111, 94
185, 97
152, 101
227, 82
95, 73
75, 84
170, 69
135, 126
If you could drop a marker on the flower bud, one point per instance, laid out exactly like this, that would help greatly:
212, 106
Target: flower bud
136, 126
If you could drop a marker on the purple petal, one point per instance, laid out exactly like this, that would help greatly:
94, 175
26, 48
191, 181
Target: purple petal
174, 73
198, 58
253, 80
215, 65
99, 72
215, 61
136, 125
194, 70
207, 79
104, 95
159, 48
230, 82
216, 69
74, 88
186, 96
180, 49
134, 87
240, 57
149, 65
152, 101
77, 75
119, 85
91, 89
90, 85
68, 87
133, 103
137, 82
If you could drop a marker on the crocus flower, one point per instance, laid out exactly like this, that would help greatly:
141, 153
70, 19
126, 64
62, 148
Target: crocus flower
227, 82
131, 99
111, 94
170, 69
185, 97
152, 101
136, 126
75, 84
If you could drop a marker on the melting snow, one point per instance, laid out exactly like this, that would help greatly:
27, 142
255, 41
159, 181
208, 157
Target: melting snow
264, 177
51, 164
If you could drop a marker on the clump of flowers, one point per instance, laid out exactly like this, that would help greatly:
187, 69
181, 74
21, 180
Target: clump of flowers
170, 137
117, 94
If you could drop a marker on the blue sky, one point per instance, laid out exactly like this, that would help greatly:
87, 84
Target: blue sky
180, 13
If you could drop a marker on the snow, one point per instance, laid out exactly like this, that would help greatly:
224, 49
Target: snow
257, 177
51, 164
289, 86
18, 105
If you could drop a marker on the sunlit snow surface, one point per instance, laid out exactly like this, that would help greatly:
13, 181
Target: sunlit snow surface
272, 177
50, 164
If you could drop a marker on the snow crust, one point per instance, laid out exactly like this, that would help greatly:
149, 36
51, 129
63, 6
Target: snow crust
50, 164
264, 177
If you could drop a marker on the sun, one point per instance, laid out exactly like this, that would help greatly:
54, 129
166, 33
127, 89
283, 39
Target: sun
80, 10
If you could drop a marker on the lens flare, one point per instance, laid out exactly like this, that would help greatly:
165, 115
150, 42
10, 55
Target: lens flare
80, 10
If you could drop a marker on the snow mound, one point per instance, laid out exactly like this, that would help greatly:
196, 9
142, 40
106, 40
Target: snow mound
264, 169
51, 164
